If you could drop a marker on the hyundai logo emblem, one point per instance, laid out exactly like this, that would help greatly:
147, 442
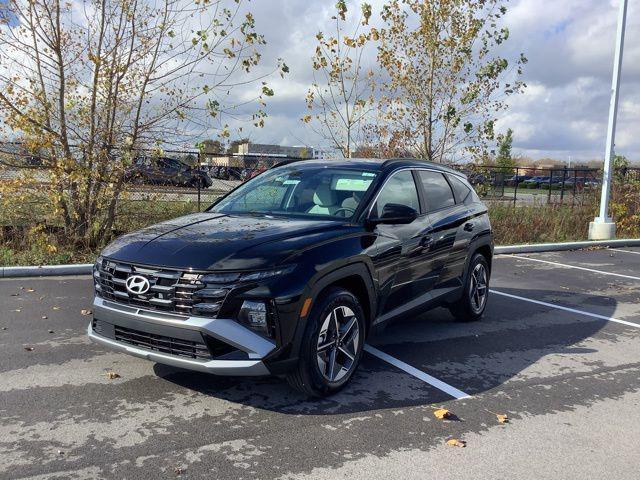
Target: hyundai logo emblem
137, 284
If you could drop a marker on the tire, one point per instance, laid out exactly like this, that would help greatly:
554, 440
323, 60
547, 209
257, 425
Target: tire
313, 375
473, 302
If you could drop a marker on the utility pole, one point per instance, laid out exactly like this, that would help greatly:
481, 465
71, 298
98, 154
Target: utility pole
603, 227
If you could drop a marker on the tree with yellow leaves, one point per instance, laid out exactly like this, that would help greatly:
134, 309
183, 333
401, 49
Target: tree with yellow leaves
445, 78
88, 84
342, 94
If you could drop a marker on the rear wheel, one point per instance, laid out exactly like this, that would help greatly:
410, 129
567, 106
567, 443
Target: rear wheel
332, 345
475, 294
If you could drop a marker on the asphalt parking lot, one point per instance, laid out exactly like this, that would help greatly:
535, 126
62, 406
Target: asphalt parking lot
558, 351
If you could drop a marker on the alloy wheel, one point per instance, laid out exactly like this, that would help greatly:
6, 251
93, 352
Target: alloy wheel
479, 288
338, 343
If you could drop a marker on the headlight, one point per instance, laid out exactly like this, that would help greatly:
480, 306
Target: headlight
235, 277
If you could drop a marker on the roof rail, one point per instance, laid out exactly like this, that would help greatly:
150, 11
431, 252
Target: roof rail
288, 161
439, 166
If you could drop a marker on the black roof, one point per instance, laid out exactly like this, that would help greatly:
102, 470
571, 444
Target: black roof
373, 163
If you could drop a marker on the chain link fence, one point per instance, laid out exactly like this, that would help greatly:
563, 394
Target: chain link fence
170, 175
532, 185
168, 183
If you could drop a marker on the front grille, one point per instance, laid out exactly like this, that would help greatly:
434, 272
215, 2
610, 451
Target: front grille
163, 344
171, 290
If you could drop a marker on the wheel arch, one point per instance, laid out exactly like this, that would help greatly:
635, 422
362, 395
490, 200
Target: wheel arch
355, 278
486, 251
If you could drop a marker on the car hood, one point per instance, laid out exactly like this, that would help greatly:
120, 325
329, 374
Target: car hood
214, 241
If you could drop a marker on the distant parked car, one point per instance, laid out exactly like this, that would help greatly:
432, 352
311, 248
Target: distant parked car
476, 178
535, 182
167, 171
577, 181
517, 179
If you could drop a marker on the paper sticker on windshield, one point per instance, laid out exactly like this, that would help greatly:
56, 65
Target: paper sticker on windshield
352, 184
368, 174
291, 182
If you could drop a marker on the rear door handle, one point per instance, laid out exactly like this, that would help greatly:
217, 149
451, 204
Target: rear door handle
468, 227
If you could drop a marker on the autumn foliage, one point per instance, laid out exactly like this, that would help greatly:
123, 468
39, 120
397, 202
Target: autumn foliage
85, 86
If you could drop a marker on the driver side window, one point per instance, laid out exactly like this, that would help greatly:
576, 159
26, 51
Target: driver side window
399, 189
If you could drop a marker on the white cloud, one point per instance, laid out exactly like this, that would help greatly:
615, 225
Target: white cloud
563, 112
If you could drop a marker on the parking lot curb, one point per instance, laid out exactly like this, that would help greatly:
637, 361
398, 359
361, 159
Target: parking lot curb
85, 268
46, 270
556, 247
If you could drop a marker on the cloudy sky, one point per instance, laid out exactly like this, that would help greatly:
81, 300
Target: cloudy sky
562, 114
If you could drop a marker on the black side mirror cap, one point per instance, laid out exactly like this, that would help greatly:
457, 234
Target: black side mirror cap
395, 214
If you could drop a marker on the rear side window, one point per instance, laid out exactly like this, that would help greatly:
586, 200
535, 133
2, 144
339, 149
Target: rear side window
399, 189
460, 189
436, 190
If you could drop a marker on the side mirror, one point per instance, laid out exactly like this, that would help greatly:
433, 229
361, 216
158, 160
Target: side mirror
395, 214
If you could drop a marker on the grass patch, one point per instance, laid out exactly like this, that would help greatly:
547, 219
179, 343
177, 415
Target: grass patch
26, 239
539, 223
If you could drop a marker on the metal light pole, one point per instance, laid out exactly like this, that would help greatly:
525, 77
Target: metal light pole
603, 228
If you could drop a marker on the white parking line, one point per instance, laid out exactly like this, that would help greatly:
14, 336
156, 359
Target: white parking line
564, 265
567, 309
625, 251
439, 384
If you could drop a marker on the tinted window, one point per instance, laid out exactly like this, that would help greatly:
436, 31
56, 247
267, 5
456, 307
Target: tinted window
436, 189
460, 189
400, 189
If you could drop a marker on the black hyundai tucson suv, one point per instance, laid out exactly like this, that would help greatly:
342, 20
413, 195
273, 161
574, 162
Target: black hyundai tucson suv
290, 272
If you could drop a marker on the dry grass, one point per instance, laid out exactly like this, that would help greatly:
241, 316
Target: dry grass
539, 223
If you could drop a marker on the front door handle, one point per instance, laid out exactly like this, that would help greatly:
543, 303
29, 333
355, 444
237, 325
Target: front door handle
468, 227
426, 242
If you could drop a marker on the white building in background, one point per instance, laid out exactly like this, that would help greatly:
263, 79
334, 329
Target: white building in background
268, 150
326, 153
249, 154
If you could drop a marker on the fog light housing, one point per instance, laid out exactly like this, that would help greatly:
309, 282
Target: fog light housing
254, 315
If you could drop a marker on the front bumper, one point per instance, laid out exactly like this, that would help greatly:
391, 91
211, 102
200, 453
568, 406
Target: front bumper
251, 346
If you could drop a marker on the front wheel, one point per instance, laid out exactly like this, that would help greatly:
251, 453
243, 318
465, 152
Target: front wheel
475, 294
332, 345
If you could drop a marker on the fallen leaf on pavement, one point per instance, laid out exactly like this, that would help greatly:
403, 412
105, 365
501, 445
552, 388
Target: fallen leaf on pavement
454, 442
30, 290
55, 307
442, 413
502, 417
17, 310
112, 375
177, 471
85, 312
44, 317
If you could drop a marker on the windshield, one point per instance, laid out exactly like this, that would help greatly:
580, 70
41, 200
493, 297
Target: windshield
300, 190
